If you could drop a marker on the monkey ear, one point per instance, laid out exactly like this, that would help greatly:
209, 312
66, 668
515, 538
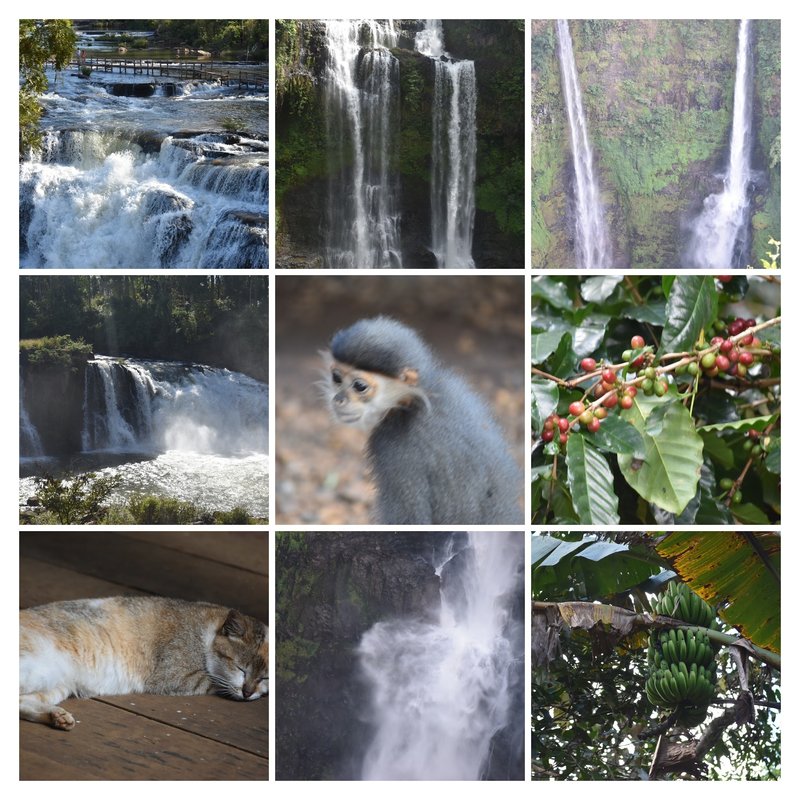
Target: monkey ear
409, 376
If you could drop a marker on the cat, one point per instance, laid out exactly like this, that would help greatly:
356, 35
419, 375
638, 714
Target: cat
127, 645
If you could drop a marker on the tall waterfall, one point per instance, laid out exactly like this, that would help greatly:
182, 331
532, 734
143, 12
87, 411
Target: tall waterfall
361, 90
441, 693
720, 234
592, 248
453, 151
150, 406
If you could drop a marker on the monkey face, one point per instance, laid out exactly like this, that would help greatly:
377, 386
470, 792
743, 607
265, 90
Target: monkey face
362, 398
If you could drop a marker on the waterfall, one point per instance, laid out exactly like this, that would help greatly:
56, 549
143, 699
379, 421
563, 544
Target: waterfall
361, 91
441, 693
152, 406
152, 204
453, 151
720, 233
591, 240
30, 443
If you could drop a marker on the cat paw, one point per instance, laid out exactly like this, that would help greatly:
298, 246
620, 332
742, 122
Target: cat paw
62, 719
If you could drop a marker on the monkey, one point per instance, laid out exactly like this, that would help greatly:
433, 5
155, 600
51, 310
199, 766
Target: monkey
435, 453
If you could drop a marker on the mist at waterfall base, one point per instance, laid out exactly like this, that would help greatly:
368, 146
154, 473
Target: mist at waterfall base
445, 697
146, 181
188, 431
720, 236
362, 89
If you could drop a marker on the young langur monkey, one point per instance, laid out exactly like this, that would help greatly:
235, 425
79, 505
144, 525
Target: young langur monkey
435, 452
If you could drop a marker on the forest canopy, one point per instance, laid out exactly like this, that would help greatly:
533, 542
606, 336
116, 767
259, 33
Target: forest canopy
217, 320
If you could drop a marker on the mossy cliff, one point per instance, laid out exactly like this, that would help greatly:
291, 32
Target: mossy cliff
658, 97
497, 47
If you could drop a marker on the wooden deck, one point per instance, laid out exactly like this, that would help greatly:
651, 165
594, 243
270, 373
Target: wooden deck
145, 737
182, 70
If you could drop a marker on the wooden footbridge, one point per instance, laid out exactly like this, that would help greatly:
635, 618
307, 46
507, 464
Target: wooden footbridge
229, 74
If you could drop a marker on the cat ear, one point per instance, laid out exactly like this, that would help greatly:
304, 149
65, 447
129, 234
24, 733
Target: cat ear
233, 625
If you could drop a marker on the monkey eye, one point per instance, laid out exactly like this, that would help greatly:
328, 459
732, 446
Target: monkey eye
336, 376
360, 386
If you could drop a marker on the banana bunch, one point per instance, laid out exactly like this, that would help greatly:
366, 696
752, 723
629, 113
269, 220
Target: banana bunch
680, 602
682, 661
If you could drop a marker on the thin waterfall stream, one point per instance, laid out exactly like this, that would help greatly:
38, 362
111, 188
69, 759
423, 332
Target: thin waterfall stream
720, 234
592, 248
453, 151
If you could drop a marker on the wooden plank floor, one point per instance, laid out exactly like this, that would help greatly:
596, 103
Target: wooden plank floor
147, 737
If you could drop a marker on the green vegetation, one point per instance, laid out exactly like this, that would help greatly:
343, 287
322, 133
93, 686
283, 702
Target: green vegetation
597, 712
85, 498
40, 41
673, 415
219, 320
75, 500
658, 97
246, 38
62, 351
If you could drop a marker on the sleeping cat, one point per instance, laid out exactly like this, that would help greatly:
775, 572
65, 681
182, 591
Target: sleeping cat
125, 645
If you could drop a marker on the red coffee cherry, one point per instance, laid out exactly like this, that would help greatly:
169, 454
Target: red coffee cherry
577, 408
588, 364
593, 426
609, 376
563, 425
547, 436
626, 402
723, 363
637, 342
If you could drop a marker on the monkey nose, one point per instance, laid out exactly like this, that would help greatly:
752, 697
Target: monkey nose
339, 398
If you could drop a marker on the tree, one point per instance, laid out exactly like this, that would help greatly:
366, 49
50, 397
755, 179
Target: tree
40, 41
598, 600
654, 401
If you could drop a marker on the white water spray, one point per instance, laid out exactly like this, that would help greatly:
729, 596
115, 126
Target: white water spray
361, 92
150, 406
592, 249
440, 692
719, 236
453, 151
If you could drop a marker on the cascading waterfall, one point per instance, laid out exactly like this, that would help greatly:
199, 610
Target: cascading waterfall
720, 234
139, 406
453, 151
441, 692
361, 91
121, 182
592, 249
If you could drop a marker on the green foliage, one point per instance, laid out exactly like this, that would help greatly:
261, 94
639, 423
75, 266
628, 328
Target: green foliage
40, 41
668, 457
152, 510
588, 704
217, 319
77, 499
658, 96
62, 351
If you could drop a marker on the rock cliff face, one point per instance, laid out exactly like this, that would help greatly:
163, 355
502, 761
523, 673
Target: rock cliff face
331, 587
497, 47
54, 401
658, 96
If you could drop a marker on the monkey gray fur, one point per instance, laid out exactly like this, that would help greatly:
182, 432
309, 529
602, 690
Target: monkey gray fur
436, 454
